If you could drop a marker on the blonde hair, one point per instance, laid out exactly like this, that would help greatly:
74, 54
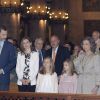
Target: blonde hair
43, 70
71, 66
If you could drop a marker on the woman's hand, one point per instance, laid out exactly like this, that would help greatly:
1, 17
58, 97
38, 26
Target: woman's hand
25, 82
28, 81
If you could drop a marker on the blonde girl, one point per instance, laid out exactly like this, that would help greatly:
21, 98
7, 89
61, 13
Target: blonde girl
47, 78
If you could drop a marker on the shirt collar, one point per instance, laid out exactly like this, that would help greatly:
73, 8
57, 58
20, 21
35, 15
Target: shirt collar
56, 49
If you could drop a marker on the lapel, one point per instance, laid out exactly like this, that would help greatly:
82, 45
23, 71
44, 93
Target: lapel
43, 53
50, 52
3, 48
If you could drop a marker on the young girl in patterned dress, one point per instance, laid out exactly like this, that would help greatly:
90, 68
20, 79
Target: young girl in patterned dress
68, 79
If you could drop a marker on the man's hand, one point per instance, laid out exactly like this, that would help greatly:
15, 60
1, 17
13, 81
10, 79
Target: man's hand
1, 71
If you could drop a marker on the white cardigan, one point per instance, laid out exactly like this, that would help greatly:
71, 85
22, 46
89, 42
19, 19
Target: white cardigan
34, 67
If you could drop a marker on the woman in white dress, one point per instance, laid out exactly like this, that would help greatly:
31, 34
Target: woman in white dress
47, 79
87, 65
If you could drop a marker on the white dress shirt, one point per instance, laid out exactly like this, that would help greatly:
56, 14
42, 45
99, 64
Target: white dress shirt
1, 45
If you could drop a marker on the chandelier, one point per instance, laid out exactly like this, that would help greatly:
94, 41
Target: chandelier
9, 3
25, 7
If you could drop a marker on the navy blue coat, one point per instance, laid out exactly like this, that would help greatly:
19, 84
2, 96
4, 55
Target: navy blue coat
62, 54
7, 63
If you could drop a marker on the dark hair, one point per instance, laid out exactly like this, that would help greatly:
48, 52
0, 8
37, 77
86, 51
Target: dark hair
3, 27
92, 43
9, 38
43, 70
71, 65
21, 44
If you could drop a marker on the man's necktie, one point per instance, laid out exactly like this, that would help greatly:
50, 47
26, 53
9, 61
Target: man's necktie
53, 55
40, 59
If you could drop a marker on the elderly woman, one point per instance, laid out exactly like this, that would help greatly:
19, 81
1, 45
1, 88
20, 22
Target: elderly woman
87, 65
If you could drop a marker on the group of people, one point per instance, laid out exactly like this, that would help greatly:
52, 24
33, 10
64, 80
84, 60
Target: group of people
51, 70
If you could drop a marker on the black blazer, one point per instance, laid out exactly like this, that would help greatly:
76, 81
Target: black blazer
62, 54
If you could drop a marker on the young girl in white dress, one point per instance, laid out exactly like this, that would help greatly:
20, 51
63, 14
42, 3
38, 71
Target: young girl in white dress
47, 80
68, 79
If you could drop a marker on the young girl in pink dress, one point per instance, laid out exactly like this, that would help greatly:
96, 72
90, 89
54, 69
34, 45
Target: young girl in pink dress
68, 79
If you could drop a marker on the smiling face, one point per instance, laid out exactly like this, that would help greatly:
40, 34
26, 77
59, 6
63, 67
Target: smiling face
47, 64
76, 49
96, 35
3, 34
38, 44
54, 41
66, 67
26, 44
86, 46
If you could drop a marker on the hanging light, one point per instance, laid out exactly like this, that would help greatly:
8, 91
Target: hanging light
5, 3
59, 13
39, 7
47, 12
15, 3
42, 11
50, 17
66, 14
30, 7
46, 7
35, 11
28, 12
55, 16
66, 17
49, 8
22, 4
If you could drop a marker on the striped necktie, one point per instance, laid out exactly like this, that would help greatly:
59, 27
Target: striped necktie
40, 59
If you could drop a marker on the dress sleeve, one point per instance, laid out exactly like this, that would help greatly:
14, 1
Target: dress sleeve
19, 72
97, 68
55, 83
38, 83
75, 83
78, 62
35, 66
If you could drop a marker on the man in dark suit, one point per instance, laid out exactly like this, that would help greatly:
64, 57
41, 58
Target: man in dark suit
7, 59
58, 54
39, 48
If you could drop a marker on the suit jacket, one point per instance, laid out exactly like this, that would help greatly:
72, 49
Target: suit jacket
7, 62
62, 54
43, 52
